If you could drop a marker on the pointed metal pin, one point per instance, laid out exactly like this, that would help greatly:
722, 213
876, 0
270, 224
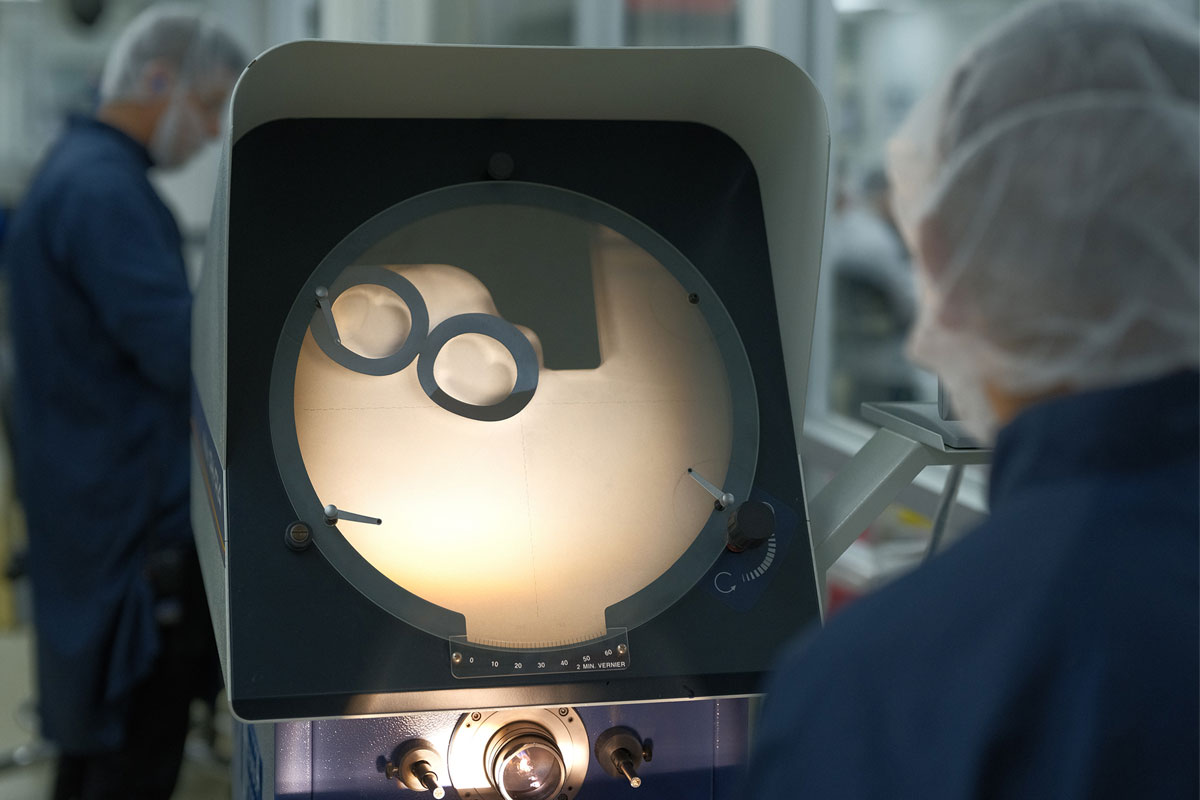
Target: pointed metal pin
327, 309
724, 499
333, 515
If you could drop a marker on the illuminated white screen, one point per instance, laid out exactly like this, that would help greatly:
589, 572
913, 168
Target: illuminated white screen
530, 526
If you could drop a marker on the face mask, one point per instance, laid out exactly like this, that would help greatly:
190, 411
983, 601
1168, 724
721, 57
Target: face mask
179, 134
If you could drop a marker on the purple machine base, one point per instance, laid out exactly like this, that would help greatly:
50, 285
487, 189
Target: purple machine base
700, 748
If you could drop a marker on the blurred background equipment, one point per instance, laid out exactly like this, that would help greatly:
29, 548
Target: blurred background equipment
87, 12
875, 303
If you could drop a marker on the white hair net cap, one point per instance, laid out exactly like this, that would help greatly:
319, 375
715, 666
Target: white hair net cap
175, 36
1050, 190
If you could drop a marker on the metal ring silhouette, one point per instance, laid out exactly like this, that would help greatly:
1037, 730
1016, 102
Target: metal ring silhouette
503, 332
417, 332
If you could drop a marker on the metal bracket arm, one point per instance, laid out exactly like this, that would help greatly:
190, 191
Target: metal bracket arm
875, 476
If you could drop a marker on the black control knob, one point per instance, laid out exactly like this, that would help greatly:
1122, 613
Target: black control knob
751, 524
418, 766
620, 751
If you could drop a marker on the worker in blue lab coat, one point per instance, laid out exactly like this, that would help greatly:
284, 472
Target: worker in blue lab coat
101, 327
1049, 193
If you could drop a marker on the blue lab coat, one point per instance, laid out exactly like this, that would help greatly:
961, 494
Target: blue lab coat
101, 327
1053, 652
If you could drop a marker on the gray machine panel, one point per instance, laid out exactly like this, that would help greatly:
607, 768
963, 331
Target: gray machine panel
725, 191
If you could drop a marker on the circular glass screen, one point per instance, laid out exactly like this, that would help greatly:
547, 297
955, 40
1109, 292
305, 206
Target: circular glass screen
529, 390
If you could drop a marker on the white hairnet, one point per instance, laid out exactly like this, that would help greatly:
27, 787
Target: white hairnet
1050, 191
177, 37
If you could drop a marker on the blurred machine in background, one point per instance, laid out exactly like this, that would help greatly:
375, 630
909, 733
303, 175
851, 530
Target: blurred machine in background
501, 356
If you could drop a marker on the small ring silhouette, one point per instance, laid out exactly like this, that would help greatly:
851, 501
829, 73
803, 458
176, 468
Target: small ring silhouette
503, 332
417, 332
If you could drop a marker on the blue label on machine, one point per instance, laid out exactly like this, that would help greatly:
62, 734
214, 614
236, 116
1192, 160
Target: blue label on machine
246, 770
211, 469
740, 579
253, 786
